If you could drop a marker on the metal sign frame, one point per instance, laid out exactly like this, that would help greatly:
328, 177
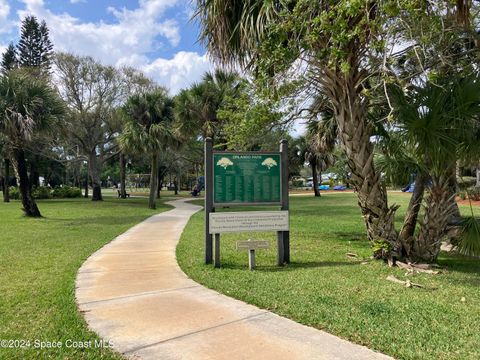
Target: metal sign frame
283, 237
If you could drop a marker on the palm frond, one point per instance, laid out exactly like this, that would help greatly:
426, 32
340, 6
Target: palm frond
469, 242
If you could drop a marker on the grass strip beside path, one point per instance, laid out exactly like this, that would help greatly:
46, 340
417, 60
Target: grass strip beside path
39, 260
324, 288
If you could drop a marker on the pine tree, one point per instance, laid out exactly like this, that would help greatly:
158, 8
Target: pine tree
9, 59
34, 47
46, 46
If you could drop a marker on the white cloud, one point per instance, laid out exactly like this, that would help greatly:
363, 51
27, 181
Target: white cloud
129, 40
179, 72
134, 32
77, 1
5, 23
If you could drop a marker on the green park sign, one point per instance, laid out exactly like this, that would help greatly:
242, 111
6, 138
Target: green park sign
247, 178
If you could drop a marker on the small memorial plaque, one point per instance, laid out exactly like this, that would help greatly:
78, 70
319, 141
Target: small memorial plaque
253, 245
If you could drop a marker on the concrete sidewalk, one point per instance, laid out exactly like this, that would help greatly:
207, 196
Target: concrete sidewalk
133, 293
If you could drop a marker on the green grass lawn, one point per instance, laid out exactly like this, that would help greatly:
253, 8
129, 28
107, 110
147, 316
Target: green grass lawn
325, 289
39, 259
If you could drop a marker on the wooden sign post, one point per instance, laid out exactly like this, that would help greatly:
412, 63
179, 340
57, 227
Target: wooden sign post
246, 178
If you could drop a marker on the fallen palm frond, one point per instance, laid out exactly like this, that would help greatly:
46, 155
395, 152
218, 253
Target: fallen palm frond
407, 283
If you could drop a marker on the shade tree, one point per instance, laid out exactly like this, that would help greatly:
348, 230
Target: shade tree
28, 106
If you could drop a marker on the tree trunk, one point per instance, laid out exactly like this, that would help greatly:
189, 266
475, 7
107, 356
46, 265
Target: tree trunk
159, 181
85, 195
453, 190
34, 174
438, 210
94, 170
175, 186
123, 164
350, 108
6, 181
29, 206
478, 175
313, 165
411, 216
153, 182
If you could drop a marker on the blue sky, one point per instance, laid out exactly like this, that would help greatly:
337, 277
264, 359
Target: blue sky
154, 36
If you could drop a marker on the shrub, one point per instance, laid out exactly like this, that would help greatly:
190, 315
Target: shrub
298, 183
14, 193
42, 192
67, 192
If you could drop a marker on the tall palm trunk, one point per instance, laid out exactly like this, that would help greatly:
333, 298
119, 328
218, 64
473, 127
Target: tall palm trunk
438, 210
34, 173
410, 221
29, 206
162, 172
153, 182
350, 108
123, 192
94, 170
313, 165
6, 181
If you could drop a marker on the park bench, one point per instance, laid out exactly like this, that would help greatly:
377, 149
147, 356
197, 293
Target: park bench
120, 194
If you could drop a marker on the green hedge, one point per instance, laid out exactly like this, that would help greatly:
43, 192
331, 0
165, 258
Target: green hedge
42, 192
67, 192
46, 192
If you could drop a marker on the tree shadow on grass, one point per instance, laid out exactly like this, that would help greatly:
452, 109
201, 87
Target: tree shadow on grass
292, 266
460, 263
100, 220
350, 236
335, 212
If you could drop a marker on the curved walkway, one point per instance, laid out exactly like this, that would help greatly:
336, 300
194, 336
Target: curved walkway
133, 293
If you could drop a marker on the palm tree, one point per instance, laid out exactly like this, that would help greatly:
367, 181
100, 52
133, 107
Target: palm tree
28, 105
235, 33
148, 128
320, 139
196, 108
437, 122
309, 155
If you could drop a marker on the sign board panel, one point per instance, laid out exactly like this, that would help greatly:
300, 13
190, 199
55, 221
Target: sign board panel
246, 178
253, 245
248, 221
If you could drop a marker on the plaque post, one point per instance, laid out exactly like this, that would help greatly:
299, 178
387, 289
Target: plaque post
283, 237
208, 199
216, 260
